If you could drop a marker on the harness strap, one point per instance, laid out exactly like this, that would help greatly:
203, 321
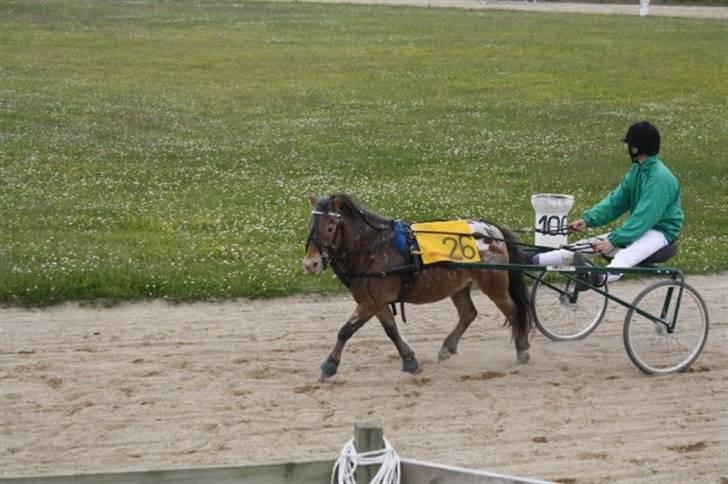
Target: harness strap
401, 310
344, 277
409, 268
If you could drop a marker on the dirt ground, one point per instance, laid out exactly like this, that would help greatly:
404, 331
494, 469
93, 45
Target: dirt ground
158, 386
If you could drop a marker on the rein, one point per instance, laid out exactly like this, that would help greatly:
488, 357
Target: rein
584, 247
539, 248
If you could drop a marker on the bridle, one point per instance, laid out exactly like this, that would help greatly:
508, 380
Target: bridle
326, 250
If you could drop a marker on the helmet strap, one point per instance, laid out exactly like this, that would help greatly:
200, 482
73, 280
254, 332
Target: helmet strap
633, 153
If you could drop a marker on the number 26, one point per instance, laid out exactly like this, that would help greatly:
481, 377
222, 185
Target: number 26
459, 245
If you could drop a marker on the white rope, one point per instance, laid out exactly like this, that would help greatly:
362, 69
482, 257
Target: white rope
349, 460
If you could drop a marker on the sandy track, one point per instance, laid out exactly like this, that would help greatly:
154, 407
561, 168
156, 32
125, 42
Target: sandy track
554, 7
151, 385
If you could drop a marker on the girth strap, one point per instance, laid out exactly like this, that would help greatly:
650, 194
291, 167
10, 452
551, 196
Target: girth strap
401, 310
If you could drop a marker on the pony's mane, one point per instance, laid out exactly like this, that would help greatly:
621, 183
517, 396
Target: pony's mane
353, 209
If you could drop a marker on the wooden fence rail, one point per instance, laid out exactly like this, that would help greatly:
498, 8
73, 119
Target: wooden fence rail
368, 436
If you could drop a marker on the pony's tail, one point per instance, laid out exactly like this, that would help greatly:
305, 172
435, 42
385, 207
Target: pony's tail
517, 285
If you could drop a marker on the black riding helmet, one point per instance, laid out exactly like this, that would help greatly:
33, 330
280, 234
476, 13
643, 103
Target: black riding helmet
644, 137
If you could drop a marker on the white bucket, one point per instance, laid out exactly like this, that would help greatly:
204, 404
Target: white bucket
552, 210
644, 8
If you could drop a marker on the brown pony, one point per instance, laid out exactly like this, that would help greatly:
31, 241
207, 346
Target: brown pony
361, 248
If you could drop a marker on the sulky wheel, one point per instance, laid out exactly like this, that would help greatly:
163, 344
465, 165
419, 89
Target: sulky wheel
649, 344
561, 312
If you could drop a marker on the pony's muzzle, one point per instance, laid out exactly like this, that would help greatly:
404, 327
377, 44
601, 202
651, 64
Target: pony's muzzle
313, 264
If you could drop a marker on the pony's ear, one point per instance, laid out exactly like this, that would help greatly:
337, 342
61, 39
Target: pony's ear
343, 203
312, 199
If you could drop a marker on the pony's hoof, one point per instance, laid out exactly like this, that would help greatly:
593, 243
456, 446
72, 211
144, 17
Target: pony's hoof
328, 369
411, 366
445, 353
523, 357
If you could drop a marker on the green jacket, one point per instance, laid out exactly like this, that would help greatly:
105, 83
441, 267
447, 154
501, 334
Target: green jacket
651, 193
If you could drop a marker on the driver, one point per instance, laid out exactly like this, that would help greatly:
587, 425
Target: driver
649, 192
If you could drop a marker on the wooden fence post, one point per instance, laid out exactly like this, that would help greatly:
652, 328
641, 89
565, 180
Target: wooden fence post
368, 436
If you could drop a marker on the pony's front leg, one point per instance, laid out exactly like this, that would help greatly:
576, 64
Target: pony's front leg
361, 315
409, 361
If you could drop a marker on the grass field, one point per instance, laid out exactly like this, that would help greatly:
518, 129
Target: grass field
166, 148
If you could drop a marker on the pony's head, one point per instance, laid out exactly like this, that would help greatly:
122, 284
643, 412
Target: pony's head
338, 220
324, 232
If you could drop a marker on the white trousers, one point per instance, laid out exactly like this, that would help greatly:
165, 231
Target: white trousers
630, 256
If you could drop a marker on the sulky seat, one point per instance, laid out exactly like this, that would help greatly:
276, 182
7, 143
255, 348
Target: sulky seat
662, 255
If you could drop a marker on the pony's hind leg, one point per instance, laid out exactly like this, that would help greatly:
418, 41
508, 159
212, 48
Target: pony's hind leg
520, 338
361, 315
495, 284
409, 362
466, 315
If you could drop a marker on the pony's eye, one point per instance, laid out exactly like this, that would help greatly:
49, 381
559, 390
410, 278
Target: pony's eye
329, 229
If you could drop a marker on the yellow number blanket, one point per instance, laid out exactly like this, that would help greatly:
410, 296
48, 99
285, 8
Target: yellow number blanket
447, 241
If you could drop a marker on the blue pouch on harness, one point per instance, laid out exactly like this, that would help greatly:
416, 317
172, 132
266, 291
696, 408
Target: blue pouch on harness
401, 238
